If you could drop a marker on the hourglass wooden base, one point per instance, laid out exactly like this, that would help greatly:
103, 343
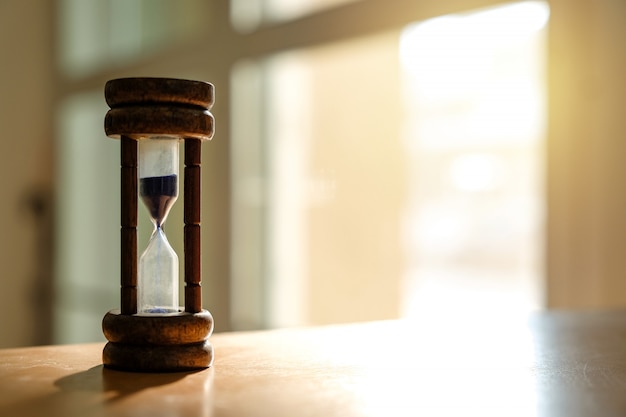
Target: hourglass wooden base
178, 342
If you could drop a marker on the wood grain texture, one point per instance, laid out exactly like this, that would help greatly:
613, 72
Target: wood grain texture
178, 329
147, 90
192, 198
193, 257
561, 364
145, 107
193, 297
157, 343
154, 358
192, 232
141, 122
128, 231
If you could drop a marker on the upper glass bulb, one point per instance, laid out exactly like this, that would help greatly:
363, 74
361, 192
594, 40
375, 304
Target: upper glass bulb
158, 176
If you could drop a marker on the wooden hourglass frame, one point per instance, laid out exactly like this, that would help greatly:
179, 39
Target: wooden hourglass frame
142, 109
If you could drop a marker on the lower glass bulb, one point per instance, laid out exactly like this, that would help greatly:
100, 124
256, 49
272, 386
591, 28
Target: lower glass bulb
157, 292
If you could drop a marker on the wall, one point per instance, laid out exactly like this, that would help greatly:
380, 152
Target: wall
586, 245
25, 171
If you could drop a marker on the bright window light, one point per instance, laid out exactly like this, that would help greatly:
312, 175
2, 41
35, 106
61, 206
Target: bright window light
475, 105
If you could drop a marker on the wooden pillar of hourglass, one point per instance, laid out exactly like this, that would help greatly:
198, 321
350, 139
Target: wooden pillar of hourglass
141, 108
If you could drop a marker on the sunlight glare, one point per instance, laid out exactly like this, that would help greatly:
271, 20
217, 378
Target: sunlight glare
451, 54
477, 172
474, 89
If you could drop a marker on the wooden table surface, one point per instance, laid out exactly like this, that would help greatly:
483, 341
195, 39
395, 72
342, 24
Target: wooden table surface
551, 364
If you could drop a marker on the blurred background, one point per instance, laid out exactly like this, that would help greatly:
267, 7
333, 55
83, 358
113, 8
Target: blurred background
373, 159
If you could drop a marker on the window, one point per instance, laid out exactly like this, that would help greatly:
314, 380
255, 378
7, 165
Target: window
475, 129
333, 186
420, 191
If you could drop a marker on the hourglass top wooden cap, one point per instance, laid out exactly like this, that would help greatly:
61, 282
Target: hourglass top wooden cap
144, 107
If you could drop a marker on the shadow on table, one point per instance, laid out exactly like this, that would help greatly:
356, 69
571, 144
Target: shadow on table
117, 384
99, 391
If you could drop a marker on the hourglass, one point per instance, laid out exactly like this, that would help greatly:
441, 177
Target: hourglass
150, 332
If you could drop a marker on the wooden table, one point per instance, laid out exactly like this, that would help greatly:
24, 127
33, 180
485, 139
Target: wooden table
551, 364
